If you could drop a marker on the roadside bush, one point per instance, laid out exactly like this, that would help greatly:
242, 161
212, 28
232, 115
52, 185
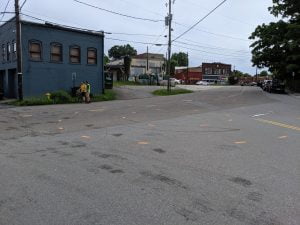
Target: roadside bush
59, 97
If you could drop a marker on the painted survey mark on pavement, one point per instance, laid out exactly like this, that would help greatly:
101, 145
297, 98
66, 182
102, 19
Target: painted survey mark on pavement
282, 137
240, 142
143, 143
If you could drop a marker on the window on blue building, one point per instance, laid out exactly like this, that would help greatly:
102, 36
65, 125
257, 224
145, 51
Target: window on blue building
14, 50
35, 50
74, 54
3, 52
8, 51
56, 52
92, 56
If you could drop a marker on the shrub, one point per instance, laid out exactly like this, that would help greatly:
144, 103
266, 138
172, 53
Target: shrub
59, 97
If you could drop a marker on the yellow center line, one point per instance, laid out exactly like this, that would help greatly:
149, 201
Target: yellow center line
279, 124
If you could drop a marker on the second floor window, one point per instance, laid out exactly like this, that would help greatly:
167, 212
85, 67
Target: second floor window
35, 50
56, 52
14, 49
92, 56
3, 53
8, 49
74, 54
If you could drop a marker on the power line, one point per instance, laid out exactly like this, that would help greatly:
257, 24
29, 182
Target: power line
134, 34
225, 16
221, 49
214, 46
192, 27
212, 33
212, 53
23, 4
5, 10
137, 42
156, 40
107, 32
117, 13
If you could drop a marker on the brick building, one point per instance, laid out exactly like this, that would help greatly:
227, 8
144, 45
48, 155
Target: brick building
189, 75
216, 72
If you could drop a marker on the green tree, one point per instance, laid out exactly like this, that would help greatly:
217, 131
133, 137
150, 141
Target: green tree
181, 58
106, 59
119, 51
178, 59
276, 46
264, 73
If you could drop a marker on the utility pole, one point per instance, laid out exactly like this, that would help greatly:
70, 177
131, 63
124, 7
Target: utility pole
256, 75
187, 69
19, 53
169, 44
147, 68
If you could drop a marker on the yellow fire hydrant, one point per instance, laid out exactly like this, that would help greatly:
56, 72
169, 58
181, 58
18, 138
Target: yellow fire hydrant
48, 95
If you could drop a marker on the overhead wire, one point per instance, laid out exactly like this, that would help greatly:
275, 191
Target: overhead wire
117, 13
5, 9
220, 49
203, 18
137, 42
23, 4
225, 16
212, 53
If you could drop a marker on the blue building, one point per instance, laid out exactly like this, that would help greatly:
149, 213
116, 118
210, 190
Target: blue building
54, 58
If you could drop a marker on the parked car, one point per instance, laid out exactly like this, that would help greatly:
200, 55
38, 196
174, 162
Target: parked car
175, 80
165, 83
265, 84
253, 84
275, 86
201, 82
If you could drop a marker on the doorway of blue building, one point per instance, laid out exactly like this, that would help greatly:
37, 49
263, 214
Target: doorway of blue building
12, 83
2, 84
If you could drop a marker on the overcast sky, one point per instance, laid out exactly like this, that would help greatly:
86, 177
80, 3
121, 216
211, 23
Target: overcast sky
222, 37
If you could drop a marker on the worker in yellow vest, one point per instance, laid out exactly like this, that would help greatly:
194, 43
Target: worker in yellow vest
83, 90
88, 92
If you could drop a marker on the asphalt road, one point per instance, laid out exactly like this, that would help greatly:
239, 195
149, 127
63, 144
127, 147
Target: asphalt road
221, 156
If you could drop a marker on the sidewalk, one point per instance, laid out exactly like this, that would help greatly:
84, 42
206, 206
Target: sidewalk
4, 105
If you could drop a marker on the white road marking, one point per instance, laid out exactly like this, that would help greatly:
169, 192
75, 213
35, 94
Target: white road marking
96, 110
282, 137
240, 142
262, 114
86, 137
25, 116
